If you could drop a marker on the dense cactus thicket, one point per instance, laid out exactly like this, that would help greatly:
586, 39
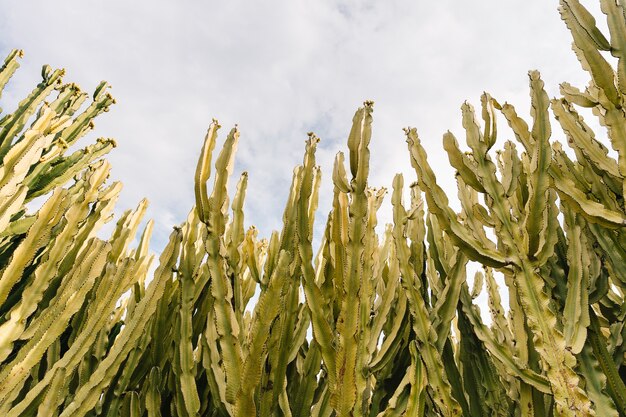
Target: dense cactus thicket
368, 325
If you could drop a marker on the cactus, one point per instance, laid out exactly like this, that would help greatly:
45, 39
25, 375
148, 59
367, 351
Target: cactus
372, 325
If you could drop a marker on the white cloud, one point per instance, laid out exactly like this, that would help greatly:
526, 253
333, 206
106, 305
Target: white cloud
280, 69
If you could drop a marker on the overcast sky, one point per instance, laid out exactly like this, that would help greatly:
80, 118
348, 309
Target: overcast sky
279, 70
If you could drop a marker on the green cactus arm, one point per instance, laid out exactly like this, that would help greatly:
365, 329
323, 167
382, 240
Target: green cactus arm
443, 311
381, 264
184, 361
303, 398
354, 140
58, 171
131, 405
265, 312
548, 232
438, 205
510, 167
48, 266
20, 157
425, 333
586, 24
477, 285
524, 349
591, 59
271, 259
600, 185
121, 382
474, 217
83, 278
248, 288
314, 200
115, 282
348, 391
537, 207
518, 126
596, 382
452, 369
499, 205
202, 302
574, 95
322, 331
68, 101
10, 65
393, 337
550, 344
615, 255
87, 395
105, 200
153, 393
283, 403
548, 340
615, 385
338, 242
203, 171
498, 350
37, 236
415, 404
490, 131
322, 407
583, 138
15, 122
54, 396
10, 206
82, 123
358, 144
464, 165
126, 230
235, 240
303, 194
470, 352
493, 389
144, 241
576, 312
603, 77
100, 214
221, 290
616, 19
398, 402
253, 253
340, 178
387, 302
193, 254
615, 122
409, 402
300, 331
499, 327
211, 363
279, 355
593, 211
367, 292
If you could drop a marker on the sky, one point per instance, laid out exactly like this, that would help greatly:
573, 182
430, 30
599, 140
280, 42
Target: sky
279, 70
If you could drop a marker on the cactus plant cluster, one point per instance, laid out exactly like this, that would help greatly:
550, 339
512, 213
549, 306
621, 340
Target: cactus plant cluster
233, 325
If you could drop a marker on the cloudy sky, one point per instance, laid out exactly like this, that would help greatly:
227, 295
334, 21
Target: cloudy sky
279, 70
